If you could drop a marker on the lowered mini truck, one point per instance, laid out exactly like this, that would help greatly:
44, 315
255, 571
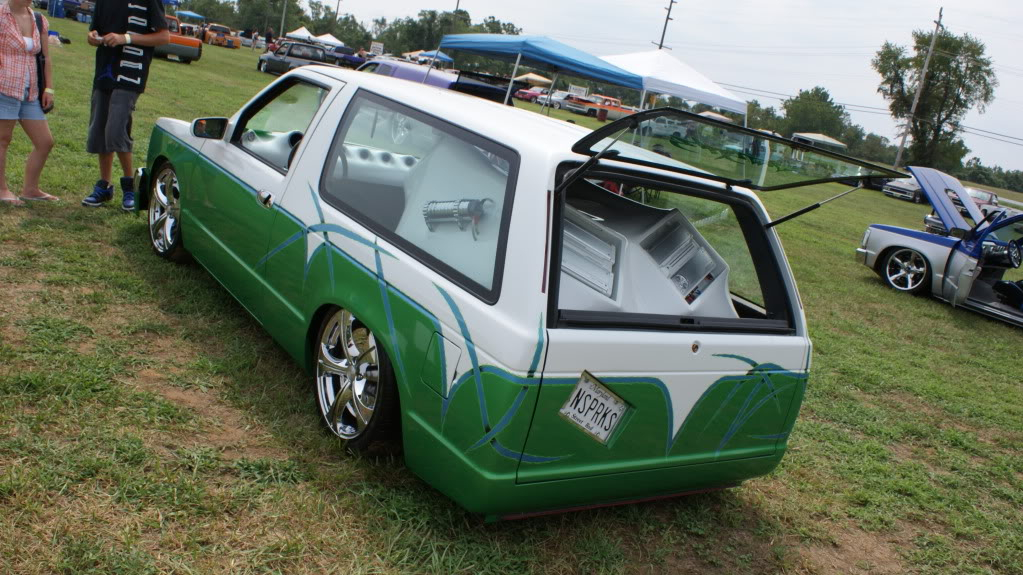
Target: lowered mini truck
458, 275
181, 47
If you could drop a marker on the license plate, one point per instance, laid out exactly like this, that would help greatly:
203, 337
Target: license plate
173, 57
594, 408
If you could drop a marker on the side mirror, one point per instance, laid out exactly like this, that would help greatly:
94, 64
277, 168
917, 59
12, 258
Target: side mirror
209, 128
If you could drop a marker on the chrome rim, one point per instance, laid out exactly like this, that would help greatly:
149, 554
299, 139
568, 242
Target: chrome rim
347, 375
1015, 257
163, 211
906, 270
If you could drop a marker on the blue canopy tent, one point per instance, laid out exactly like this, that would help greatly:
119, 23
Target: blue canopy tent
542, 53
192, 15
436, 55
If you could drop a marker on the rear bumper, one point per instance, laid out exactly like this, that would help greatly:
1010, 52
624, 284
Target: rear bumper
499, 496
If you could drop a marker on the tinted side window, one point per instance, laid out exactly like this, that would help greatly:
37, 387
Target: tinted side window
438, 192
273, 127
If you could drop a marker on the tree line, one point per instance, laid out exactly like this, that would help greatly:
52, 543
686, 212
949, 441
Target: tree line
960, 78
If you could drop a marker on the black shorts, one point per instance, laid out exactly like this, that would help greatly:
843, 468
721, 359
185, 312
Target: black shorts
110, 121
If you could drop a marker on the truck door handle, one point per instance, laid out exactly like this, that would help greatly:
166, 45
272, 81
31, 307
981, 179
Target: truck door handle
265, 198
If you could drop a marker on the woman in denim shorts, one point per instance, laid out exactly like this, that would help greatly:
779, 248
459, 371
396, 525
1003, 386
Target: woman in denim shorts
20, 42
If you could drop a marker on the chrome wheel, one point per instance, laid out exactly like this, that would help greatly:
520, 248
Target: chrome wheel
262, 65
347, 375
906, 270
164, 210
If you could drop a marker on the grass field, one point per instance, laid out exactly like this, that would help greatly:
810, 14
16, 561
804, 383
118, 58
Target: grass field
148, 425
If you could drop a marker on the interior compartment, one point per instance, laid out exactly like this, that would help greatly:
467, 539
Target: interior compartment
622, 256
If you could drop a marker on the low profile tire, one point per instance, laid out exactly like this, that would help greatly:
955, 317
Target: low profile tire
906, 270
164, 213
1015, 252
355, 385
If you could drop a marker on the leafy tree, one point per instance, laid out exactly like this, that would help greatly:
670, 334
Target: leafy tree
814, 111
960, 78
763, 118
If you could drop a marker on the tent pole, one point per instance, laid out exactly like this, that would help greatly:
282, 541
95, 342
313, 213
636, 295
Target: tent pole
642, 99
432, 60
546, 103
511, 81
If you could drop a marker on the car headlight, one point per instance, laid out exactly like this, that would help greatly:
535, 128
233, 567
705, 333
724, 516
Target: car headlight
866, 236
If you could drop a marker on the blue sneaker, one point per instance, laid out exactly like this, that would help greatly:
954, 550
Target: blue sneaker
102, 192
128, 188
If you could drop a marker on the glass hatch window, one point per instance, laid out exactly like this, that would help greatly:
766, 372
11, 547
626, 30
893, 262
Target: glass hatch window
641, 255
698, 145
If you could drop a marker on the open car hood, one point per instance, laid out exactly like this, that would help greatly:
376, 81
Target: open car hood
674, 140
936, 186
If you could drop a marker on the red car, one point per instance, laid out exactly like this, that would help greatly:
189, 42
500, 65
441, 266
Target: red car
530, 94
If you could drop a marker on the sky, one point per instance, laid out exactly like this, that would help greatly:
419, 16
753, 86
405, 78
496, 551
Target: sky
777, 46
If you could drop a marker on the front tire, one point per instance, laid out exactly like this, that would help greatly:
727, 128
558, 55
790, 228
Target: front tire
355, 385
906, 270
262, 66
918, 198
164, 213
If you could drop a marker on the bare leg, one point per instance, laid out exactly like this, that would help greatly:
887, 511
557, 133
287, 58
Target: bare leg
123, 158
42, 142
6, 132
106, 166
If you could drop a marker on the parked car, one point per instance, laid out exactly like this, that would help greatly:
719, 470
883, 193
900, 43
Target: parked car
530, 94
593, 104
555, 100
345, 56
433, 77
291, 55
958, 262
220, 35
986, 201
532, 350
904, 189
181, 47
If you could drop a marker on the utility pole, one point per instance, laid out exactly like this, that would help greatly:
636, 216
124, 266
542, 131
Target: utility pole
284, 11
660, 45
919, 88
337, 11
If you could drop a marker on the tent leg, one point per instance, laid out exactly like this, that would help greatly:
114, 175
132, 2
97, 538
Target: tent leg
511, 81
642, 99
432, 60
546, 103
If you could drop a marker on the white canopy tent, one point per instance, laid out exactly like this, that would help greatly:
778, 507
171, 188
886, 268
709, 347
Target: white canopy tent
300, 34
329, 39
664, 74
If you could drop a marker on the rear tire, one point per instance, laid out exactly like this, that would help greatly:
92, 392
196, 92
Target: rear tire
355, 385
918, 198
556, 106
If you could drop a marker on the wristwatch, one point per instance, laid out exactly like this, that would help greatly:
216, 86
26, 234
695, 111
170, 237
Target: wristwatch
127, 38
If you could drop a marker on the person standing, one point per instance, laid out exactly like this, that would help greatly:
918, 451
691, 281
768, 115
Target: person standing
269, 35
124, 33
22, 38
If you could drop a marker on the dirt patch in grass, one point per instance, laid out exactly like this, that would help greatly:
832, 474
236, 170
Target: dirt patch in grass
855, 551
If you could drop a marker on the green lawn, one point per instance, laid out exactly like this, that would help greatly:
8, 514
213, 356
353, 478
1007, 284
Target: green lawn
148, 425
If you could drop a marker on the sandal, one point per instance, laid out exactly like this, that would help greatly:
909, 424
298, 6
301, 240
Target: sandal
12, 201
43, 198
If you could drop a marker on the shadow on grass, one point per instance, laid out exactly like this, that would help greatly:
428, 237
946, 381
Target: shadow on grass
413, 526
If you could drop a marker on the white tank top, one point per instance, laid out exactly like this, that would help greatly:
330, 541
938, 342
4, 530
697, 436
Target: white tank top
29, 44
